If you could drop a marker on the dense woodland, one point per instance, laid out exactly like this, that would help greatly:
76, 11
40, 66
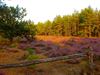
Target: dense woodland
85, 23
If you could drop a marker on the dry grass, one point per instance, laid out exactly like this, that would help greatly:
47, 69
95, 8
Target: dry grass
55, 39
58, 39
59, 68
11, 55
54, 68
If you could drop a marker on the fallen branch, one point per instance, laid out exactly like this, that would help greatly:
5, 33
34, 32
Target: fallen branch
28, 63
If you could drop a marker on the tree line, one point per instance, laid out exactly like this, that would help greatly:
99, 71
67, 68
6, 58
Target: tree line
85, 23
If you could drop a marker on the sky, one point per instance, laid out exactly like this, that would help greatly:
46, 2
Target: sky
42, 10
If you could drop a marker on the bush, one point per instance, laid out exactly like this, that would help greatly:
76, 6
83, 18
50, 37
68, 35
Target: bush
30, 50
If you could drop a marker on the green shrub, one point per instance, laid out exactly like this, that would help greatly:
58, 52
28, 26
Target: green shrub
31, 50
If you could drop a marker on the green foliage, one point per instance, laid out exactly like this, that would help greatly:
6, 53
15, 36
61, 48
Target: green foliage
58, 25
31, 30
9, 21
31, 51
48, 28
32, 57
12, 24
40, 29
85, 23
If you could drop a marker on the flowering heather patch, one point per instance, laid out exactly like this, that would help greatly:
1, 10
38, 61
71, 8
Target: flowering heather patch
64, 47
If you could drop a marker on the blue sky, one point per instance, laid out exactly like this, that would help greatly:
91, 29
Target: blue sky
42, 10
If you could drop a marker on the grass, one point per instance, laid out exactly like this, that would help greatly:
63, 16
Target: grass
55, 39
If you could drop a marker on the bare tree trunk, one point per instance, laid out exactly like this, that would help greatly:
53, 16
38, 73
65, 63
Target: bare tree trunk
38, 61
